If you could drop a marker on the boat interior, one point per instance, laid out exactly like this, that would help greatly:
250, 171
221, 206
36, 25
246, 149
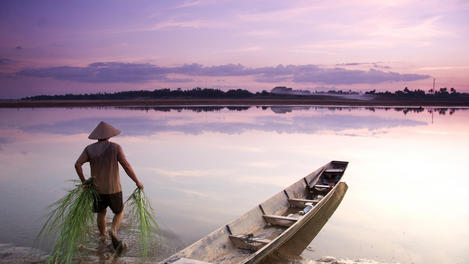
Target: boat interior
281, 211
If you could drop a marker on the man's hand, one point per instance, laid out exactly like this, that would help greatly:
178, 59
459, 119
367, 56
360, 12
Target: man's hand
86, 183
139, 185
79, 171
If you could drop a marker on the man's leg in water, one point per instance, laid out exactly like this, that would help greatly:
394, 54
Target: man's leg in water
101, 219
116, 222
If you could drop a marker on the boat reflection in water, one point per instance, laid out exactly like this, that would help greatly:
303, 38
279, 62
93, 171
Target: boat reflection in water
284, 224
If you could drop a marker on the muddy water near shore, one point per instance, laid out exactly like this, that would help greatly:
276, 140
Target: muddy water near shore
10, 254
204, 166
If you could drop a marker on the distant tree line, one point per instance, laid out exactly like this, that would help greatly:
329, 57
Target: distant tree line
341, 92
241, 93
442, 92
165, 93
145, 94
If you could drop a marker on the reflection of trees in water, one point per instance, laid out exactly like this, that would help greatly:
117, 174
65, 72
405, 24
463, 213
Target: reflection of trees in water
238, 108
439, 110
442, 111
288, 109
406, 110
181, 108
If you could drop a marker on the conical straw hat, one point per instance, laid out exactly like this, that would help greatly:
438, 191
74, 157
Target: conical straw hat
103, 130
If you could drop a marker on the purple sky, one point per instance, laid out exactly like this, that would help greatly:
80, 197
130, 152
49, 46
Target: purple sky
57, 47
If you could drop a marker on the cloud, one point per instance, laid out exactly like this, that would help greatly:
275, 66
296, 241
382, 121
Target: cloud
444, 68
5, 61
115, 72
272, 79
385, 31
245, 49
334, 76
187, 4
3, 141
286, 14
377, 65
338, 76
104, 72
261, 33
351, 64
222, 70
193, 3
19, 48
190, 24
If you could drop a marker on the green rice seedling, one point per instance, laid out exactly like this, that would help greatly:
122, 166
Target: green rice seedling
70, 220
141, 214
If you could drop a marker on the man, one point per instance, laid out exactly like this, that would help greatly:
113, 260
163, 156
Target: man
104, 157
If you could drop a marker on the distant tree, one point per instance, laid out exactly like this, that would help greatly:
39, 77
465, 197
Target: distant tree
442, 111
442, 92
399, 93
419, 93
264, 93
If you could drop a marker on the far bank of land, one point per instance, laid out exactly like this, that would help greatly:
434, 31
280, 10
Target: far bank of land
307, 100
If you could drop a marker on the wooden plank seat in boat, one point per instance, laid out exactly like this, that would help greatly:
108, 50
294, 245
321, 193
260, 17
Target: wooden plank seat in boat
248, 241
188, 261
334, 170
299, 203
322, 186
280, 220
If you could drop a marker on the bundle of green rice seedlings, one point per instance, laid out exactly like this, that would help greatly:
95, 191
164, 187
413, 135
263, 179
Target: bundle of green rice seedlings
140, 213
70, 220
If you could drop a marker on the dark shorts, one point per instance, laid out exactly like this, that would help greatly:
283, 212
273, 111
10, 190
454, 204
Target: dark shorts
114, 201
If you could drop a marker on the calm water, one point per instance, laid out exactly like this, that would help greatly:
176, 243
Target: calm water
203, 167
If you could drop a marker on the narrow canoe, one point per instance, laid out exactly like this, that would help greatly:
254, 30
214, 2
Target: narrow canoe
285, 223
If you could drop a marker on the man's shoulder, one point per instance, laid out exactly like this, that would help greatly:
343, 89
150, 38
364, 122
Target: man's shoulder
99, 144
114, 144
92, 145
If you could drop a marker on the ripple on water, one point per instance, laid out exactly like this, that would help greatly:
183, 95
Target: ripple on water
26, 255
333, 260
16, 255
279, 259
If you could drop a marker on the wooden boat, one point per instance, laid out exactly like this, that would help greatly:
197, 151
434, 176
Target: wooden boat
285, 223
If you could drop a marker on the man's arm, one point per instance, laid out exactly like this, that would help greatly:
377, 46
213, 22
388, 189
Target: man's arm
128, 169
82, 159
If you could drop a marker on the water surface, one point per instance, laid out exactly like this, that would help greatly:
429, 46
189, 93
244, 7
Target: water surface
204, 166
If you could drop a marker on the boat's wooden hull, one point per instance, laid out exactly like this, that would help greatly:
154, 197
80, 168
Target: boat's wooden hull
302, 237
275, 225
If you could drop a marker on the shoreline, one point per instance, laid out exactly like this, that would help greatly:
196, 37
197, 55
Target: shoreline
232, 102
